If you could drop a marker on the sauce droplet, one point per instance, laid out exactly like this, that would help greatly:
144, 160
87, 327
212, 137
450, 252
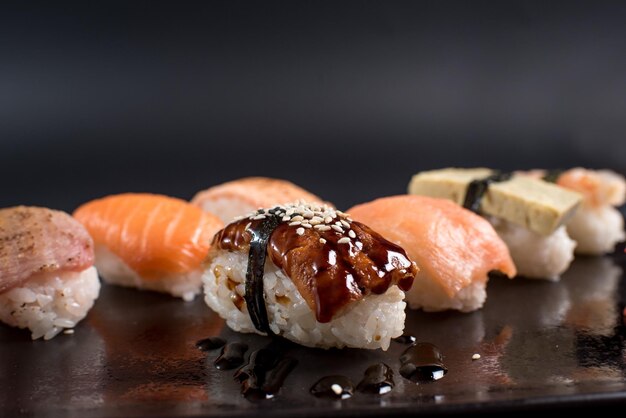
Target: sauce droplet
211, 343
378, 380
405, 339
231, 357
333, 387
422, 362
264, 374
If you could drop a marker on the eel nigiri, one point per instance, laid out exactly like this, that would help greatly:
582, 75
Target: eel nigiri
455, 248
310, 274
149, 241
47, 279
240, 197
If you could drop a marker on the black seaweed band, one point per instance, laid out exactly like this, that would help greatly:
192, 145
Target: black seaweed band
477, 189
552, 176
255, 295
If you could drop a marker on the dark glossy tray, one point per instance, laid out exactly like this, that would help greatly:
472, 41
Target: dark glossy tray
542, 344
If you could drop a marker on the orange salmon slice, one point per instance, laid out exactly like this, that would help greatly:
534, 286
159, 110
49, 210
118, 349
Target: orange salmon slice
153, 234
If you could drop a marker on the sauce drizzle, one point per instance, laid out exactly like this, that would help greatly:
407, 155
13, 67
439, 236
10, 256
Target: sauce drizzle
231, 356
264, 374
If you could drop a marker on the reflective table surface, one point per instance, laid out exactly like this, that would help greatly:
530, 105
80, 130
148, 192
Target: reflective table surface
541, 344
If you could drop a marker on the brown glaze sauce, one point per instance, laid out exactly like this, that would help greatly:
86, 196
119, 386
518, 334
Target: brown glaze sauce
329, 275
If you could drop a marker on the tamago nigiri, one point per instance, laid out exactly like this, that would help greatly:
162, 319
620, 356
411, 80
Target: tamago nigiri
150, 241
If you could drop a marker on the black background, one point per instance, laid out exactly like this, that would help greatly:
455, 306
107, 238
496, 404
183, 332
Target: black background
347, 99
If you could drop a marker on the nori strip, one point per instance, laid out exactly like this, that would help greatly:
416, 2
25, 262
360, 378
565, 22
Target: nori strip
477, 189
552, 175
255, 296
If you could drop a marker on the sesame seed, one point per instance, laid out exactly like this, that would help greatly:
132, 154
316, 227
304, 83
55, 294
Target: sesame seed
248, 225
322, 240
351, 234
328, 219
300, 231
343, 240
476, 356
296, 223
323, 227
308, 214
290, 212
344, 223
68, 331
286, 218
307, 225
258, 217
297, 218
337, 228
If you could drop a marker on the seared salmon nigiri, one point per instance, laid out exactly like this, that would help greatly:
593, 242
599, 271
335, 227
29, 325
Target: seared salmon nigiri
455, 248
47, 279
149, 241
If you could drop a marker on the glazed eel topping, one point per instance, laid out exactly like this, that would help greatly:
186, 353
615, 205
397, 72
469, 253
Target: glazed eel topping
331, 259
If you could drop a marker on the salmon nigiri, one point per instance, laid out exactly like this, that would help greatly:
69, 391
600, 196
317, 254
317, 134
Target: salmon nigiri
150, 241
239, 197
455, 248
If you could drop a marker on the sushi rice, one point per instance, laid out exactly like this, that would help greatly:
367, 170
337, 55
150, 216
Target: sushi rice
115, 271
596, 229
368, 323
536, 256
52, 303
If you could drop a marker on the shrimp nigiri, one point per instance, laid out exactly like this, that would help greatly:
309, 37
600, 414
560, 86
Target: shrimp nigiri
455, 248
149, 241
239, 197
597, 225
47, 279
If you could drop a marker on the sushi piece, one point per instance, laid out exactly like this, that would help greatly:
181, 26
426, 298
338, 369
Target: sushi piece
240, 197
149, 241
47, 279
528, 214
310, 274
455, 249
597, 226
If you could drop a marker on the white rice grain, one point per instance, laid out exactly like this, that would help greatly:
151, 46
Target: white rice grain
51, 303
